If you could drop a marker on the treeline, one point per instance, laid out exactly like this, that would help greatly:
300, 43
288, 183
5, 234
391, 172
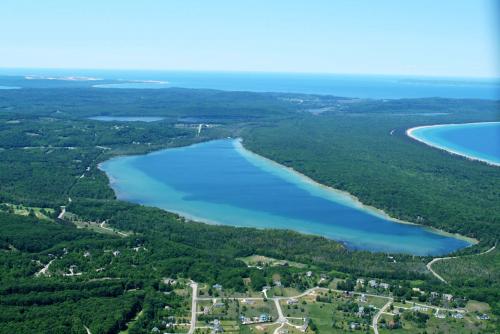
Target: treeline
230, 242
408, 180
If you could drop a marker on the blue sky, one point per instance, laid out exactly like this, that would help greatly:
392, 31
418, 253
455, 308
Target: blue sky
419, 37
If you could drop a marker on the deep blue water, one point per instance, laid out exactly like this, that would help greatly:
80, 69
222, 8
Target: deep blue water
474, 140
221, 182
340, 85
126, 118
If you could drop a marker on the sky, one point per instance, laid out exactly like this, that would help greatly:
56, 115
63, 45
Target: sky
457, 38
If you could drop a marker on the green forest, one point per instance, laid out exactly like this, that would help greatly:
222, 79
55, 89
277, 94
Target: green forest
101, 280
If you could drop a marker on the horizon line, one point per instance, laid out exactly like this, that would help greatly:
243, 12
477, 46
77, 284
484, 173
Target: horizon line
252, 72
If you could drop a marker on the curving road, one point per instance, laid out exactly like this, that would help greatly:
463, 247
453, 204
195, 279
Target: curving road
429, 265
377, 316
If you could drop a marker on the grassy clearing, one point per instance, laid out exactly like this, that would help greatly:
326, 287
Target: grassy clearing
262, 261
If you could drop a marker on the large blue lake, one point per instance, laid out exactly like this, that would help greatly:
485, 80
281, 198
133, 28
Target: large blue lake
362, 86
221, 182
479, 141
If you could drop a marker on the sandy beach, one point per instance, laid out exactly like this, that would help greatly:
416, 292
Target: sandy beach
410, 133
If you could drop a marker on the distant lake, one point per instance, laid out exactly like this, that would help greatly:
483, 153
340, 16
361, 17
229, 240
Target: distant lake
126, 118
221, 182
362, 86
480, 141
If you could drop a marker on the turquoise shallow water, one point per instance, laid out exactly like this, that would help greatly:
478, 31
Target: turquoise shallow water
474, 140
221, 182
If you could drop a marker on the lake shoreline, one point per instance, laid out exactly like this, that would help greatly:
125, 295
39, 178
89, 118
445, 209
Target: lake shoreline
360, 205
355, 202
410, 133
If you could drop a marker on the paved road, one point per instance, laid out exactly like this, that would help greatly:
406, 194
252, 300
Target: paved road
429, 265
377, 316
194, 286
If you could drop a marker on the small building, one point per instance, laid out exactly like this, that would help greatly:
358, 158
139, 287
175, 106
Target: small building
483, 316
354, 325
362, 299
248, 301
216, 326
440, 315
245, 320
418, 308
384, 285
458, 315
277, 283
169, 281
264, 317
361, 311
373, 283
86, 254
217, 286
292, 301
116, 253
447, 297
360, 282
309, 273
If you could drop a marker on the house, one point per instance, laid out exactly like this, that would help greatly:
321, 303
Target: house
458, 316
266, 287
447, 297
245, 320
354, 325
86, 254
155, 330
264, 317
361, 311
219, 305
217, 327
116, 253
434, 294
217, 286
292, 301
169, 281
418, 308
309, 273
362, 299
373, 283
483, 317
440, 315
384, 285
360, 282
417, 290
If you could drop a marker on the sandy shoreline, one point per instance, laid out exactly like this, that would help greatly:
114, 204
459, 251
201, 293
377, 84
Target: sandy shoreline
354, 200
358, 204
409, 133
